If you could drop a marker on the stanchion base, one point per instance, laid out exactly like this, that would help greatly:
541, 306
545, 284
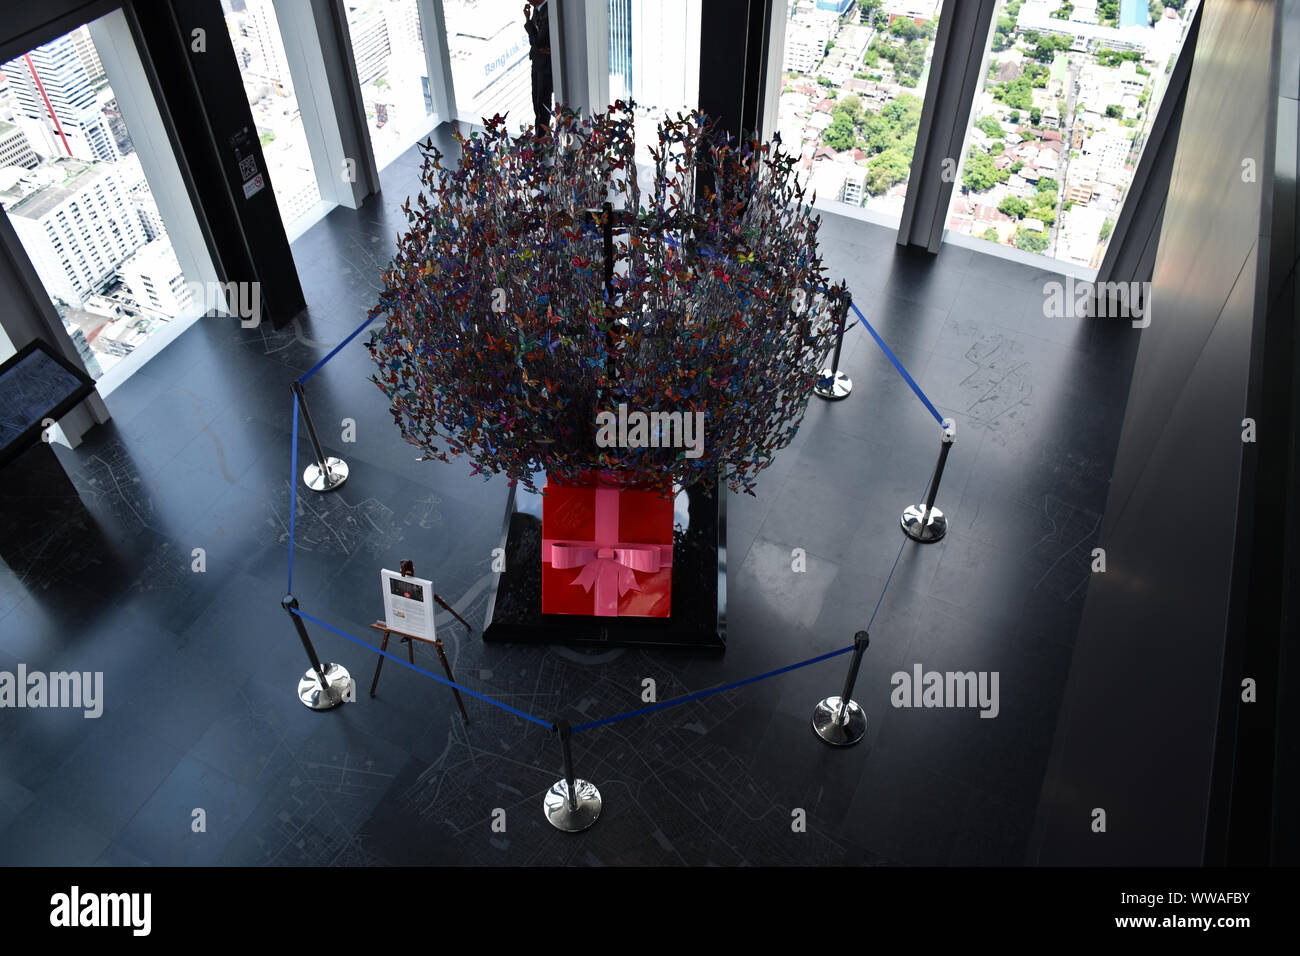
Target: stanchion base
317, 480
933, 530
561, 816
839, 733
328, 696
833, 386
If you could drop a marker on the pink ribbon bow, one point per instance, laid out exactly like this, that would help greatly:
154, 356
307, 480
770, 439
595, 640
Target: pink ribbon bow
607, 564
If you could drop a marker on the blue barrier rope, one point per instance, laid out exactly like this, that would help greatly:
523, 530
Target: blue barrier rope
898, 365
420, 670
293, 499
901, 545
705, 693
335, 351
293, 488
881, 600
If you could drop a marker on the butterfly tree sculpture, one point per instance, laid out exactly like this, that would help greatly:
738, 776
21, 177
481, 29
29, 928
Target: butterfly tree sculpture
505, 335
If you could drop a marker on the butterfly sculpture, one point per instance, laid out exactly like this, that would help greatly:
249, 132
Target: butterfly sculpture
503, 338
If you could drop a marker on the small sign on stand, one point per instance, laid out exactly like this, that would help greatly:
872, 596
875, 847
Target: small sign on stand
408, 613
408, 605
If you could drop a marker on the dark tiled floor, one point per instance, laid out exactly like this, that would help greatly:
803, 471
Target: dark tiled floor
200, 667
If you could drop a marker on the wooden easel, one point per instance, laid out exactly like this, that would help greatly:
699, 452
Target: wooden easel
407, 569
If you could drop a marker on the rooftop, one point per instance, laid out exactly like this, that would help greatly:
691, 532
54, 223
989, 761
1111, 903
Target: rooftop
76, 174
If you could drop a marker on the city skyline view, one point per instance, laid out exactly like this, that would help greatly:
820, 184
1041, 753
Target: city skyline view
79, 201
1056, 130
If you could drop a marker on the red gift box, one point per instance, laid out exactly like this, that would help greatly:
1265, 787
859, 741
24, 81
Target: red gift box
606, 551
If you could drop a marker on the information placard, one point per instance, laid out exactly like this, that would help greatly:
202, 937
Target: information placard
408, 604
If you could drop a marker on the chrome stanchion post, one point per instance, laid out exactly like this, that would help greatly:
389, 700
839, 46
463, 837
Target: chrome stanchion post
324, 686
839, 720
571, 804
324, 474
832, 384
926, 523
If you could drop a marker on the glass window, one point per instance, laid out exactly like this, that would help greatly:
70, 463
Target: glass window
73, 187
1058, 126
259, 48
654, 60
852, 87
388, 49
490, 68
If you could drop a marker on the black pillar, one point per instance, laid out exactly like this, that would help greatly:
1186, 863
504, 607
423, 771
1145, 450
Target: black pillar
186, 46
733, 64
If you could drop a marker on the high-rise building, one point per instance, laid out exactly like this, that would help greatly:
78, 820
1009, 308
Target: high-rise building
370, 47
88, 55
75, 223
1134, 13
620, 49
53, 91
155, 280
806, 36
265, 48
116, 125
87, 354
855, 186
15, 150
664, 33
489, 60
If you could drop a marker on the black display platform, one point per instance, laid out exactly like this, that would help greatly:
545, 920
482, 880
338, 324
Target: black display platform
36, 385
699, 603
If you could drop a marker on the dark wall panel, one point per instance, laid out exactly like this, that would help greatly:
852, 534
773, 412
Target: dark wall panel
24, 25
1137, 728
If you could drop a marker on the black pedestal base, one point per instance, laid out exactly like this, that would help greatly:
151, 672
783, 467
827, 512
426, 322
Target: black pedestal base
699, 603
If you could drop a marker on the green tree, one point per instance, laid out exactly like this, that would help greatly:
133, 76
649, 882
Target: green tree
1018, 165
1035, 116
866, 8
887, 168
1108, 57
991, 234
1014, 116
1017, 94
989, 126
1047, 46
851, 106
1114, 111
1044, 211
979, 173
840, 135
1031, 240
1036, 74
1013, 206
904, 27
1106, 227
